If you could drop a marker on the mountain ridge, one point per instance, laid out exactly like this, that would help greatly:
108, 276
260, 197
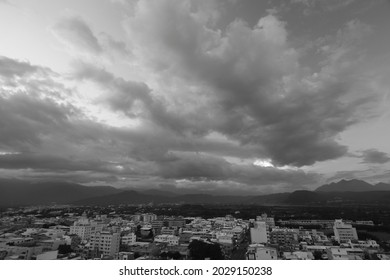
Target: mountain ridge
22, 193
353, 185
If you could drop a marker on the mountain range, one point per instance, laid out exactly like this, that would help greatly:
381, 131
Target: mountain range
19, 193
353, 186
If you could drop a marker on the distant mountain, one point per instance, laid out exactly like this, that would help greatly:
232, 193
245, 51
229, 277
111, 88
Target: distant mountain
353, 186
19, 192
382, 187
157, 192
338, 198
305, 197
134, 197
270, 199
124, 197
294, 198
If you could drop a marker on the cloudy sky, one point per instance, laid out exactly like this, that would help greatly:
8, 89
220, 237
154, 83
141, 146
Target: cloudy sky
223, 96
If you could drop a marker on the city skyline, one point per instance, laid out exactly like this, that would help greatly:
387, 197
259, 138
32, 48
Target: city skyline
220, 96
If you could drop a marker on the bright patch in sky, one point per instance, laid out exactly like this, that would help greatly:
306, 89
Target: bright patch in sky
264, 163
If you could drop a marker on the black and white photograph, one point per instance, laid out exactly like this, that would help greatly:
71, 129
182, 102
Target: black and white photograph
231, 130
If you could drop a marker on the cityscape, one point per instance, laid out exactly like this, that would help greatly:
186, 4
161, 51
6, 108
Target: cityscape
132, 232
194, 130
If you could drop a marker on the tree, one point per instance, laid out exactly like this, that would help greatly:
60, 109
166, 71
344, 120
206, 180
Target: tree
164, 255
75, 242
200, 250
154, 251
64, 249
138, 231
317, 255
176, 255
137, 255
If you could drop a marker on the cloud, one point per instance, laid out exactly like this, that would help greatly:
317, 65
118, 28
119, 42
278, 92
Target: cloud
258, 93
375, 156
121, 94
46, 162
112, 45
50, 138
75, 31
10, 68
202, 167
317, 6
205, 103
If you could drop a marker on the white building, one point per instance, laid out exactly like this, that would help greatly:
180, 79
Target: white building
261, 252
270, 222
31, 231
105, 243
129, 239
259, 234
337, 253
54, 233
85, 228
165, 238
148, 218
298, 255
365, 244
344, 232
224, 238
84, 231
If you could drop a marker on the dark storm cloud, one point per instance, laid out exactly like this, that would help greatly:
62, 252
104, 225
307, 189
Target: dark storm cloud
205, 105
41, 162
201, 167
375, 156
196, 167
35, 111
25, 120
122, 95
11, 68
259, 94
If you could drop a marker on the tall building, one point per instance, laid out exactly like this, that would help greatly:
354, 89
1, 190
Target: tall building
270, 222
84, 228
83, 231
259, 234
344, 232
148, 218
105, 243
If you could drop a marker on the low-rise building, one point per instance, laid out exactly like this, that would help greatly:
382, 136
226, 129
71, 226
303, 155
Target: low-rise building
284, 236
298, 255
129, 239
261, 252
165, 238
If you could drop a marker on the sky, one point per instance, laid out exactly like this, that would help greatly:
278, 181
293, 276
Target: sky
218, 96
